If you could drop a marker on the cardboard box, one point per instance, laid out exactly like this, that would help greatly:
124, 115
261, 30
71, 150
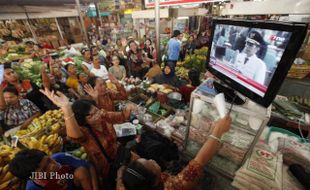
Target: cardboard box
78, 38
63, 42
55, 43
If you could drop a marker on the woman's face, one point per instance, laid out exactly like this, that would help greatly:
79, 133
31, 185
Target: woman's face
94, 116
10, 98
133, 46
115, 60
167, 70
10, 75
147, 43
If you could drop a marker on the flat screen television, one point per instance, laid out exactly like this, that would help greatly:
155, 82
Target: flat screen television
253, 57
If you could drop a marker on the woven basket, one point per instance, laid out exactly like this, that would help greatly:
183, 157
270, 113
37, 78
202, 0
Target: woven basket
299, 71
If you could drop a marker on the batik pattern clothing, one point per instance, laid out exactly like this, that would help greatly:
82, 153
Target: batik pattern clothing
106, 100
15, 116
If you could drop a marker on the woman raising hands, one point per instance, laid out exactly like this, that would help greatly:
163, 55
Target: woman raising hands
92, 128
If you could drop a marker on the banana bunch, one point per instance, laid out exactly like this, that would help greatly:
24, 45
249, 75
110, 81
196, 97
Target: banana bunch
80, 153
7, 153
46, 143
52, 119
7, 180
181, 72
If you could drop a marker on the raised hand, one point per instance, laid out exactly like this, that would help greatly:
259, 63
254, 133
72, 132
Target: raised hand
59, 99
91, 91
222, 126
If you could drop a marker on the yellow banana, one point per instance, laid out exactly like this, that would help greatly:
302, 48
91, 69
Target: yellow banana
49, 138
7, 177
58, 141
4, 185
43, 138
1, 169
5, 169
5, 153
53, 140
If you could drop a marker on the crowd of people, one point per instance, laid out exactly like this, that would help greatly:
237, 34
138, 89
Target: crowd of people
89, 113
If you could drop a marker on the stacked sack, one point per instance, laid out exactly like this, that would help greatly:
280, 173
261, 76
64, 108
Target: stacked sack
295, 152
262, 171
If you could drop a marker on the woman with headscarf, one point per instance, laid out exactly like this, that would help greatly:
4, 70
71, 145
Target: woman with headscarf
168, 76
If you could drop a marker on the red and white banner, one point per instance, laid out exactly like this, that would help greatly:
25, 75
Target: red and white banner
163, 3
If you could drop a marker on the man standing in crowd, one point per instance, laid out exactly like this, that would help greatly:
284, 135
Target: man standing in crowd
247, 62
174, 47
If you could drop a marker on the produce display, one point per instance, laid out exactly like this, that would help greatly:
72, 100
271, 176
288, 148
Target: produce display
29, 70
47, 143
182, 72
197, 60
51, 120
158, 87
80, 153
13, 29
7, 180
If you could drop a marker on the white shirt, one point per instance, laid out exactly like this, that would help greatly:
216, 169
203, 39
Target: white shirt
89, 66
102, 72
253, 68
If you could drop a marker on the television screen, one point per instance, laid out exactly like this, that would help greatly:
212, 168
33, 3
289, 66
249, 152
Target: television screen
253, 56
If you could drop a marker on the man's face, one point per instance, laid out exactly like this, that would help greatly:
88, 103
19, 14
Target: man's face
251, 48
180, 37
95, 51
96, 60
87, 55
10, 98
10, 75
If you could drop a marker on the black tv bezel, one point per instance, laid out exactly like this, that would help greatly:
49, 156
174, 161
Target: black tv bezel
298, 33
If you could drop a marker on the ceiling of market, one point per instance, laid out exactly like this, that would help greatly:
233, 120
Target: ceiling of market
43, 2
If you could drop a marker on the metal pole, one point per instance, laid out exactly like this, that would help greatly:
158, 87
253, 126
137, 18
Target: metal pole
59, 30
31, 30
157, 20
98, 26
98, 12
78, 7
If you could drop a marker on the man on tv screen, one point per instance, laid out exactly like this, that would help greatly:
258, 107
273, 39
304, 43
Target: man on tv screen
247, 62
